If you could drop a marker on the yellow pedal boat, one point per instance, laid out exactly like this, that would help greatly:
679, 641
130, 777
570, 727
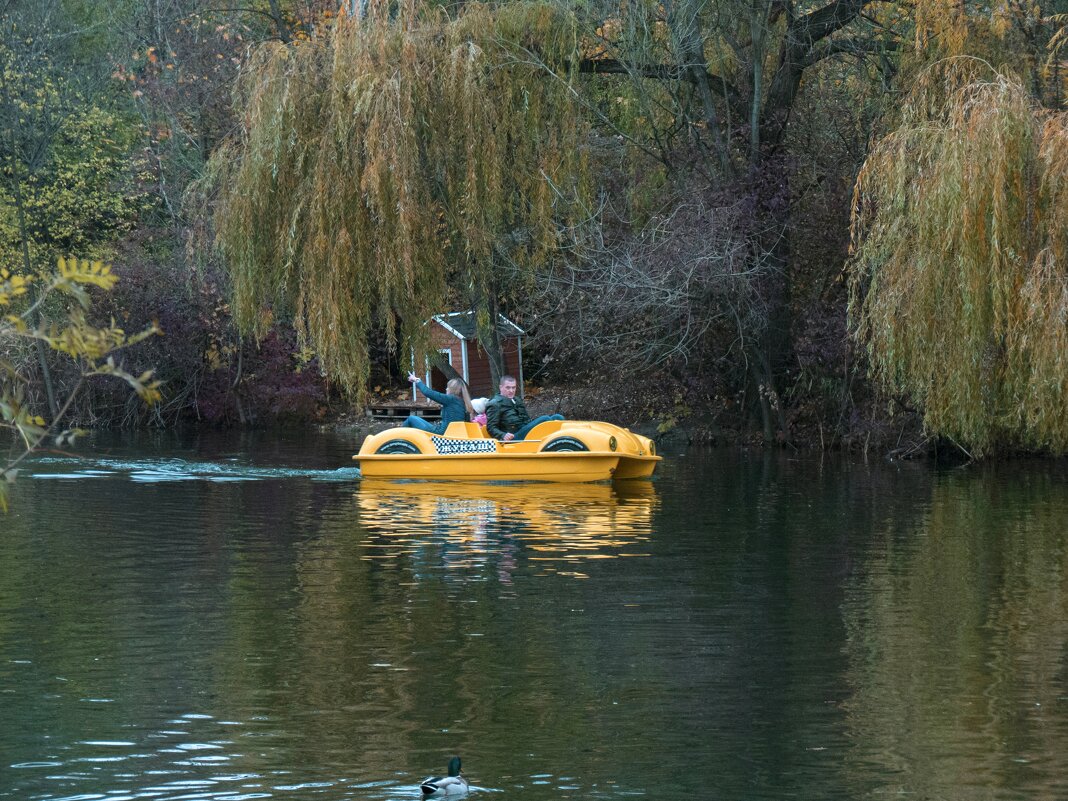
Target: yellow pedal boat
556, 450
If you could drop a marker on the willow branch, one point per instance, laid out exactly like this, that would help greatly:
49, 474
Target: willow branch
662, 72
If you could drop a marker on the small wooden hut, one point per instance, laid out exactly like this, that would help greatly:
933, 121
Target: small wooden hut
453, 336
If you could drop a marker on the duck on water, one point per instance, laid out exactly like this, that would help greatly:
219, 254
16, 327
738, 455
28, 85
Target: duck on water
452, 785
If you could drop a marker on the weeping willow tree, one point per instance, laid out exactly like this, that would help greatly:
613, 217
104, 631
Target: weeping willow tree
405, 160
959, 273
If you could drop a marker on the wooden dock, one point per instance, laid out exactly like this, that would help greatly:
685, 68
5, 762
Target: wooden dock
399, 410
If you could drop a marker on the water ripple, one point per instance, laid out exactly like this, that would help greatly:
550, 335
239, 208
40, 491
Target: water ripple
152, 471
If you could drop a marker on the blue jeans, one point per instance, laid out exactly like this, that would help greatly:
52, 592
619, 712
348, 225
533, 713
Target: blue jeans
422, 425
522, 433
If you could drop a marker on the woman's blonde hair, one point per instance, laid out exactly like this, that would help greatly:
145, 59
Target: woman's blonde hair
457, 386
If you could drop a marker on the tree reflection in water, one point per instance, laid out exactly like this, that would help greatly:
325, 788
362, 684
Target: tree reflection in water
957, 630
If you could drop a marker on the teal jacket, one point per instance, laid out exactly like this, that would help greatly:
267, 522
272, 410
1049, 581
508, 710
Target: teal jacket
505, 416
452, 407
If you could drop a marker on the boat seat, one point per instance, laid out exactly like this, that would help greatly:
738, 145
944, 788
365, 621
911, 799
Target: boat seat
462, 430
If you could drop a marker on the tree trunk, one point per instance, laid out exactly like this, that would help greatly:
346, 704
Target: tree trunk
758, 23
690, 48
770, 174
489, 338
356, 8
27, 267
284, 32
772, 354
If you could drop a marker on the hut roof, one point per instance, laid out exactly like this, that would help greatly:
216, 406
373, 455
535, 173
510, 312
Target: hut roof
462, 325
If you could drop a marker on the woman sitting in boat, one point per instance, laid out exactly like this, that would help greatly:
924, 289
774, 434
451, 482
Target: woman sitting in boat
455, 405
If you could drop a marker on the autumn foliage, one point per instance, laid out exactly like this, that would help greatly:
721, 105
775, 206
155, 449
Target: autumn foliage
93, 350
959, 284
402, 157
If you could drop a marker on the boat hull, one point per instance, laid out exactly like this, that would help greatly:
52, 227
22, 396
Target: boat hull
635, 467
557, 451
503, 467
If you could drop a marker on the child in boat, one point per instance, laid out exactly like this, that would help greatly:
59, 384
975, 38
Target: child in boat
479, 407
455, 405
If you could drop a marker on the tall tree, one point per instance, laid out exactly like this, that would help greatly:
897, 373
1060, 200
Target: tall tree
710, 88
959, 281
400, 158
65, 178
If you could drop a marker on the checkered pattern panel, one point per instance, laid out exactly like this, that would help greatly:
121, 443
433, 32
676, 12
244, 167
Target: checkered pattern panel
448, 447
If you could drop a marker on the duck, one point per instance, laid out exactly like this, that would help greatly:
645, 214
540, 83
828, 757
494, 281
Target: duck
452, 785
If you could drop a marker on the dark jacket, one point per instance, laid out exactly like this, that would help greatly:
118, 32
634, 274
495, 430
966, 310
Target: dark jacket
452, 407
505, 416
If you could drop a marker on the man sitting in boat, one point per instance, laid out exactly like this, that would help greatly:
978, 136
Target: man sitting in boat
507, 418
455, 405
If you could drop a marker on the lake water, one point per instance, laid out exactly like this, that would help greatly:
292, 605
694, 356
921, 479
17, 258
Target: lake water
241, 617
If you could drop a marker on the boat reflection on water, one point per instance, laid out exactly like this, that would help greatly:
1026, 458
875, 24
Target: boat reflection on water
553, 527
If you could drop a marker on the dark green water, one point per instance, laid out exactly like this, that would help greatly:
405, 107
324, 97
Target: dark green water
242, 618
